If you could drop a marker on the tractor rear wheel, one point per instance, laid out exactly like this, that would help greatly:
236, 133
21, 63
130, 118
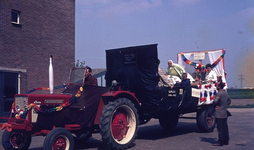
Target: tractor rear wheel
119, 124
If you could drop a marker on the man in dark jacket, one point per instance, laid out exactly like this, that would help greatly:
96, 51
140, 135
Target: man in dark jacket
222, 102
185, 81
89, 79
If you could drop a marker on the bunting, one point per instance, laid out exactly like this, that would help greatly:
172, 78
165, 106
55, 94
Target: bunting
187, 61
45, 88
37, 109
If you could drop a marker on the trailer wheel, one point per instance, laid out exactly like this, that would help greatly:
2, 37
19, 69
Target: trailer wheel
119, 124
168, 121
59, 138
16, 140
206, 120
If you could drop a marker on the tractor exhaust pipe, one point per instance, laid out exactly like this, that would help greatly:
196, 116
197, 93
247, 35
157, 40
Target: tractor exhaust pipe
51, 75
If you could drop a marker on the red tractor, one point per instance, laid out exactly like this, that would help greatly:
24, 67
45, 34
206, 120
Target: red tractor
131, 98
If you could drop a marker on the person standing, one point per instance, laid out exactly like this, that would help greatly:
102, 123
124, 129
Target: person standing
89, 79
174, 69
222, 101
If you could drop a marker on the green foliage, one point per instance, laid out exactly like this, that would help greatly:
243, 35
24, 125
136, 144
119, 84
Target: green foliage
80, 64
242, 106
241, 93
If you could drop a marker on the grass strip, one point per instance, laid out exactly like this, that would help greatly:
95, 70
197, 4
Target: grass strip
242, 106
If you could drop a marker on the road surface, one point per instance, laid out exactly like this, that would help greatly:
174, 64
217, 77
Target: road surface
185, 136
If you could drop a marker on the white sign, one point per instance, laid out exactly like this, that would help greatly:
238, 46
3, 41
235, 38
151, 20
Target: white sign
199, 56
195, 92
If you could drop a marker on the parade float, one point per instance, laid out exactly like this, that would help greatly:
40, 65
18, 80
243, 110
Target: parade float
190, 60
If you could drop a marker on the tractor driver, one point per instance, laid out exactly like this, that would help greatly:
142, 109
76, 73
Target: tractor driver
89, 79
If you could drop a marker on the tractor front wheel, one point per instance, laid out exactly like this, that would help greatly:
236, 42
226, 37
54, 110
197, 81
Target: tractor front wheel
16, 140
59, 138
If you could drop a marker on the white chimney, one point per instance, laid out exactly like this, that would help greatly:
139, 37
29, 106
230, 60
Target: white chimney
51, 75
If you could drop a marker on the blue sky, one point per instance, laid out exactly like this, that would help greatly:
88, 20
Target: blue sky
175, 25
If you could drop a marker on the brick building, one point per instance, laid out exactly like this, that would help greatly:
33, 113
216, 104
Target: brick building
31, 31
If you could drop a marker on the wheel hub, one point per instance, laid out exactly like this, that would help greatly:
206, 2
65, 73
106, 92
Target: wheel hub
17, 139
210, 121
60, 144
119, 126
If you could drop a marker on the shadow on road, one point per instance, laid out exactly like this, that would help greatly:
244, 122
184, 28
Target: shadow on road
156, 132
91, 143
152, 132
208, 140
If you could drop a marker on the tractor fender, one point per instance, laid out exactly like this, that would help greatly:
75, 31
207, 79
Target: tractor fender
111, 96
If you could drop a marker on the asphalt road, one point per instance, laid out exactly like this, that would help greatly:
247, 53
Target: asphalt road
185, 136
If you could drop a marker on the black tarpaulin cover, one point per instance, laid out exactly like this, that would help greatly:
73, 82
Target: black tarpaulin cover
179, 97
137, 69
81, 112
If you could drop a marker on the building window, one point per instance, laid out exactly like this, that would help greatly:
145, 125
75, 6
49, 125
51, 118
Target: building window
15, 17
